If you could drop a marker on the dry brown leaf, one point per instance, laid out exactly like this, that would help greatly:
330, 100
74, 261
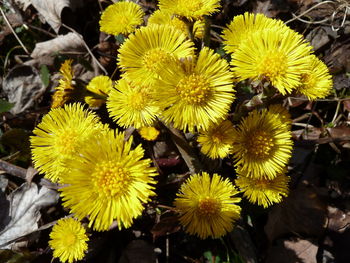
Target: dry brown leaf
23, 213
138, 251
68, 42
166, 225
51, 10
302, 212
293, 250
23, 86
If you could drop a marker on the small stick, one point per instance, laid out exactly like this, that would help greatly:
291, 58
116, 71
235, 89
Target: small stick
307, 11
13, 32
88, 49
13, 169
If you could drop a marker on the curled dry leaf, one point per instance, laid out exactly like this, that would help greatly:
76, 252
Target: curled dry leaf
68, 42
23, 86
20, 212
51, 10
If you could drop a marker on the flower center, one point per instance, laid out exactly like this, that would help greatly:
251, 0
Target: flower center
217, 136
193, 89
138, 100
308, 81
69, 239
66, 142
261, 183
155, 59
208, 206
123, 20
260, 145
273, 65
111, 179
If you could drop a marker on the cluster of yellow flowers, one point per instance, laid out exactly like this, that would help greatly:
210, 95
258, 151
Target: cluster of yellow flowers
164, 77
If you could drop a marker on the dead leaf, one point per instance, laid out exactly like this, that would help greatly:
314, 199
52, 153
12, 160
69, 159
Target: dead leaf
338, 220
51, 10
302, 212
293, 250
318, 37
138, 251
23, 86
24, 212
62, 43
166, 225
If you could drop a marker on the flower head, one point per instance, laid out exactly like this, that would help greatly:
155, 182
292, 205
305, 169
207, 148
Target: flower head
263, 191
109, 181
282, 113
277, 56
121, 18
262, 146
245, 25
207, 205
68, 240
132, 105
217, 141
65, 89
194, 9
100, 87
148, 51
149, 133
61, 133
317, 82
196, 92
161, 17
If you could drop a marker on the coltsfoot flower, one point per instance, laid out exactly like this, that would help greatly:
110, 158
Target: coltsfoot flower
317, 82
217, 141
68, 240
100, 87
278, 57
196, 92
121, 18
109, 181
60, 135
132, 105
149, 133
245, 25
207, 206
263, 192
262, 146
194, 9
147, 52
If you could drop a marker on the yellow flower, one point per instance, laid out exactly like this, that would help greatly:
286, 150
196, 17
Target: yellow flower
282, 114
279, 57
206, 205
217, 141
64, 91
61, 133
149, 133
317, 82
262, 191
245, 25
148, 51
196, 92
100, 87
262, 146
161, 17
131, 105
121, 18
194, 9
108, 181
68, 240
